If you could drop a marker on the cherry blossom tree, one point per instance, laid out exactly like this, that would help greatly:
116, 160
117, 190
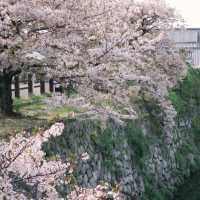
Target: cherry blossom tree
25, 173
22, 162
96, 44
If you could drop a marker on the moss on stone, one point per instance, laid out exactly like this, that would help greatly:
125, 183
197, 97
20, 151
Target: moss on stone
152, 114
104, 143
138, 142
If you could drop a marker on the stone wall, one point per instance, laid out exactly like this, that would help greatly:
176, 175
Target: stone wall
145, 159
132, 163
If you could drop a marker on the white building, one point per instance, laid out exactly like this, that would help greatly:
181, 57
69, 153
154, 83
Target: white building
188, 39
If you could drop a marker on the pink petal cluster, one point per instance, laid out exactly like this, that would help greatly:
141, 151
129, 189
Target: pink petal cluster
24, 158
100, 192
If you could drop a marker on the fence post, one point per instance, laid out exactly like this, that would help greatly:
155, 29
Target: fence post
51, 85
62, 81
42, 84
17, 90
30, 84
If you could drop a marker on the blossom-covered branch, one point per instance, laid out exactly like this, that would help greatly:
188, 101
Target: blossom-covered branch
23, 161
94, 43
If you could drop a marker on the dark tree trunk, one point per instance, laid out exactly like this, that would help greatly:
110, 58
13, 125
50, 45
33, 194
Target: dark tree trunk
6, 103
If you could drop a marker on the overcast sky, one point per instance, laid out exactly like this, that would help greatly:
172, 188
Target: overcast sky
189, 9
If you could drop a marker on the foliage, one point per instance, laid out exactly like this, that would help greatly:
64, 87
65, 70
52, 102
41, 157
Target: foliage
156, 189
97, 45
153, 190
186, 96
182, 158
190, 189
153, 114
186, 100
177, 101
195, 129
138, 142
104, 143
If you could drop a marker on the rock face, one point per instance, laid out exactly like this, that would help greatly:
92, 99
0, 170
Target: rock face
144, 159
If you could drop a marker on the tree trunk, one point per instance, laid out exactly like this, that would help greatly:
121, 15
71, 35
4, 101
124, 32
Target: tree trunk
6, 103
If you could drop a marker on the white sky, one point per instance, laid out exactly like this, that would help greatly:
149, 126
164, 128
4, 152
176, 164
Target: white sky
189, 9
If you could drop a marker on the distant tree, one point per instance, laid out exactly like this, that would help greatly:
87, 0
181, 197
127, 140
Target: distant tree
97, 44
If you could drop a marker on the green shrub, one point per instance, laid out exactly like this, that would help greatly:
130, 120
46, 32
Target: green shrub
153, 114
104, 143
196, 129
190, 188
186, 97
153, 191
179, 104
186, 100
138, 142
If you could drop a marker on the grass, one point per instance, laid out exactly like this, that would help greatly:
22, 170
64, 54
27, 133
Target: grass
32, 113
10, 126
37, 107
